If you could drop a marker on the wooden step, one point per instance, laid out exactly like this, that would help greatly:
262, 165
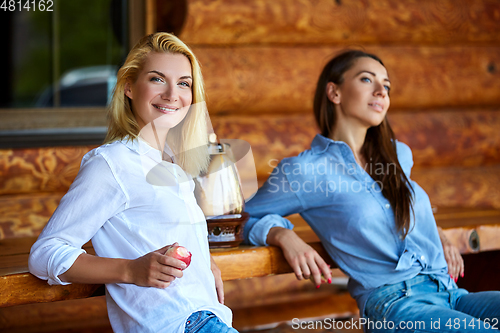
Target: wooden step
315, 328
78, 316
318, 308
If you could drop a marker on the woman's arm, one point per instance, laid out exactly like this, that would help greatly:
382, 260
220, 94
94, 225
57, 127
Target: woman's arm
151, 270
303, 259
94, 197
267, 225
452, 256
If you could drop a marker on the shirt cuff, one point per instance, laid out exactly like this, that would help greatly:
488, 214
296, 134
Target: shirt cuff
66, 259
258, 234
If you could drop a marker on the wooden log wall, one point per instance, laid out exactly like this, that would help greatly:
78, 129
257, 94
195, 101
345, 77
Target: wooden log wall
261, 60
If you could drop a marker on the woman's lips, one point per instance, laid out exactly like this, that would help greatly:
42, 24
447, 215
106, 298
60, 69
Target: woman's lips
165, 108
377, 106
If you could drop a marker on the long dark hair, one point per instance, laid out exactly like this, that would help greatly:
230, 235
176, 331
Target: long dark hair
379, 145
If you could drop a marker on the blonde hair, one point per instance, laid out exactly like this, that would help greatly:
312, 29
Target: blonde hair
188, 140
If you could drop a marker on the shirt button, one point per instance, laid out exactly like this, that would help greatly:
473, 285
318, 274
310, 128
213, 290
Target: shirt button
387, 206
373, 185
422, 257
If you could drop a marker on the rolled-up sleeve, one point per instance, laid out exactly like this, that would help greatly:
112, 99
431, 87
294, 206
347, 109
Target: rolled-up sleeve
93, 198
273, 200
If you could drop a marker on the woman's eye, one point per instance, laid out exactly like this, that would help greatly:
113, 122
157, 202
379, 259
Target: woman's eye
185, 84
387, 88
365, 79
156, 79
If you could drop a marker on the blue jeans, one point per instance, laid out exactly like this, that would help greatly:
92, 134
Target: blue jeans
206, 322
422, 304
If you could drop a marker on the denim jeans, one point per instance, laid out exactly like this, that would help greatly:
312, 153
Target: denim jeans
206, 322
422, 304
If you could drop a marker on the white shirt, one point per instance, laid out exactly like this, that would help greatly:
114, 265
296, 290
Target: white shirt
128, 215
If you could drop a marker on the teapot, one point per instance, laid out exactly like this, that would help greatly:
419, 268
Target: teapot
219, 194
218, 191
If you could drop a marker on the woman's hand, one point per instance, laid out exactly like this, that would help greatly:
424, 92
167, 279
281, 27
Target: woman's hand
452, 256
305, 261
219, 286
155, 269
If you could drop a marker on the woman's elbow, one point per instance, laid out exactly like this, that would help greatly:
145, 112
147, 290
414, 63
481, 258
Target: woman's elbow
35, 267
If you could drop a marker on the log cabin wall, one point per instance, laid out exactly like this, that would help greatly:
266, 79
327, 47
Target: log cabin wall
261, 60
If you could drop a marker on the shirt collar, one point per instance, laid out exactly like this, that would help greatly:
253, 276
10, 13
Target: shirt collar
138, 145
142, 148
320, 144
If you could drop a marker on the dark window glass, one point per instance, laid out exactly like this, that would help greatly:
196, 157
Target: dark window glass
67, 57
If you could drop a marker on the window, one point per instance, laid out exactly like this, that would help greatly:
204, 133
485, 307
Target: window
60, 68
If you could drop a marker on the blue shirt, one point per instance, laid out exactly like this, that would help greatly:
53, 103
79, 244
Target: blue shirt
354, 221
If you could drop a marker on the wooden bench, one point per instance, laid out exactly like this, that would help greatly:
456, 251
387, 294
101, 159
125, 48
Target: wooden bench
472, 230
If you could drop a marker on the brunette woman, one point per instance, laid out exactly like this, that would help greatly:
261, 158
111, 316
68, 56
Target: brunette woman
353, 188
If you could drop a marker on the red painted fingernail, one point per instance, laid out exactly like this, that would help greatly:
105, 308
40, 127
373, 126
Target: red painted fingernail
456, 279
330, 280
317, 287
451, 276
462, 275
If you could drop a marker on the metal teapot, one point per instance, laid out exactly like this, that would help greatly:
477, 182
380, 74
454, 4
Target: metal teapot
218, 191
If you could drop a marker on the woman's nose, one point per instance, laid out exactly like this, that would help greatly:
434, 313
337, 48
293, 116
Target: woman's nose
170, 95
380, 90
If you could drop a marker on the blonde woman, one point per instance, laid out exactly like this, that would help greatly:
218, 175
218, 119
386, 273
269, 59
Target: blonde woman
133, 197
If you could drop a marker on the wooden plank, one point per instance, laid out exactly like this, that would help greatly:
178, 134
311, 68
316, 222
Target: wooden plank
249, 261
350, 22
38, 118
14, 253
488, 236
453, 137
51, 169
25, 288
280, 288
453, 217
461, 187
26, 214
81, 315
272, 79
340, 305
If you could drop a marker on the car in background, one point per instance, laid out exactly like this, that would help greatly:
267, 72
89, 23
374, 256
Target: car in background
82, 87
